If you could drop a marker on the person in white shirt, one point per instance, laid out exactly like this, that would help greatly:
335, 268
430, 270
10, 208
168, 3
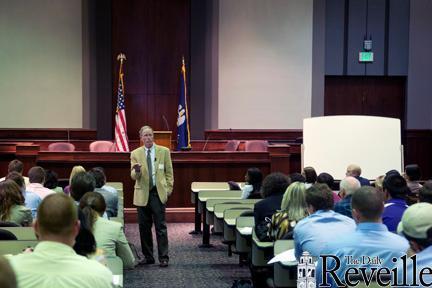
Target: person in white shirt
16, 166
37, 179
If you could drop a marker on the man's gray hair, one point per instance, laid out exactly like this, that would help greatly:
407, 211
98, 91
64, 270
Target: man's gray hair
349, 184
146, 127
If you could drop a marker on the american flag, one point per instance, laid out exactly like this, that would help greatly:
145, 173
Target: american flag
121, 139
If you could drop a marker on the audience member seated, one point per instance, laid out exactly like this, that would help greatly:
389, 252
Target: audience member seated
54, 263
297, 177
12, 207
328, 179
110, 199
31, 200
17, 166
75, 170
416, 226
347, 187
273, 189
310, 175
81, 183
85, 242
395, 191
425, 193
105, 186
7, 275
253, 179
109, 234
355, 171
412, 176
323, 225
371, 239
293, 209
51, 181
37, 179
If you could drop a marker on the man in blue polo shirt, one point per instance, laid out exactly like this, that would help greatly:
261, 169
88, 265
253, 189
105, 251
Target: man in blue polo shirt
371, 245
323, 225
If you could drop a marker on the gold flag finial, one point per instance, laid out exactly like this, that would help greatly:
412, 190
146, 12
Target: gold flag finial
121, 57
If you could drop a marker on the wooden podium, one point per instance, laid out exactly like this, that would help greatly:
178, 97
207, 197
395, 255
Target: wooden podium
162, 138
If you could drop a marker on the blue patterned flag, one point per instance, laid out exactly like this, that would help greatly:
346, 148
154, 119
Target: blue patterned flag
183, 133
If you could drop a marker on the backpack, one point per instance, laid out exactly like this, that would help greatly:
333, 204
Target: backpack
280, 226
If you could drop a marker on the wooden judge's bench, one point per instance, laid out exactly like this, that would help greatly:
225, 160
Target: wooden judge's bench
213, 164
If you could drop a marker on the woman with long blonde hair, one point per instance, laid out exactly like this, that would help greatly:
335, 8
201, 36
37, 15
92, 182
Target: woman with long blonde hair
293, 209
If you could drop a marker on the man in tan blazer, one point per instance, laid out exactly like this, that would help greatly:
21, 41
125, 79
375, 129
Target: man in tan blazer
151, 168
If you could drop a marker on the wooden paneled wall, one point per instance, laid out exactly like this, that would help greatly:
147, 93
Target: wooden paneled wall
154, 35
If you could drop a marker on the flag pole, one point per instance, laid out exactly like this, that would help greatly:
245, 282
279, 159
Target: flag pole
120, 130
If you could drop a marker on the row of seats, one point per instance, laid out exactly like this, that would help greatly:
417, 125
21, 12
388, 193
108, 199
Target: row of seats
250, 145
108, 146
233, 218
95, 146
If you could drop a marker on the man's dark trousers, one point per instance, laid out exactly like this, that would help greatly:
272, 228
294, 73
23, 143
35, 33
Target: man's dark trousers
153, 212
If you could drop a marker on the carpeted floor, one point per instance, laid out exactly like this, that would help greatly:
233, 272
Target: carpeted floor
189, 266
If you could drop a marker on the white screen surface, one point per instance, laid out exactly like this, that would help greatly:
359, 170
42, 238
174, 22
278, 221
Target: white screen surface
332, 143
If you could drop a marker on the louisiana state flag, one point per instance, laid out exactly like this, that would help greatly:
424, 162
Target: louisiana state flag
183, 132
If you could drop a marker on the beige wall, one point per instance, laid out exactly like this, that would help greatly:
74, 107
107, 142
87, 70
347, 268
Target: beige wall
41, 69
265, 63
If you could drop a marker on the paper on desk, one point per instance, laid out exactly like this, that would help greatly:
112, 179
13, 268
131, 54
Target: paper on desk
245, 230
286, 257
116, 280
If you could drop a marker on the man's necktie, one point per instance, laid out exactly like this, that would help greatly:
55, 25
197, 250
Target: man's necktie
150, 169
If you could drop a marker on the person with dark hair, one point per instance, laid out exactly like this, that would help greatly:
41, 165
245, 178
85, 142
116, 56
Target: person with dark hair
347, 187
110, 199
37, 179
323, 225
252, 188
85, 242
54, 263
395, 191
328, 179
16, 166
355, 171
371, 238
272, 190
425, 193
416, 226
81, 183
51, 181
12, 207
412, 176
31, 200
310, 175
109, 234
105, 186
297, 177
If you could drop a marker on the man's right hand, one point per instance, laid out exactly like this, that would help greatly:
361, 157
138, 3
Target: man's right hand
137, 168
